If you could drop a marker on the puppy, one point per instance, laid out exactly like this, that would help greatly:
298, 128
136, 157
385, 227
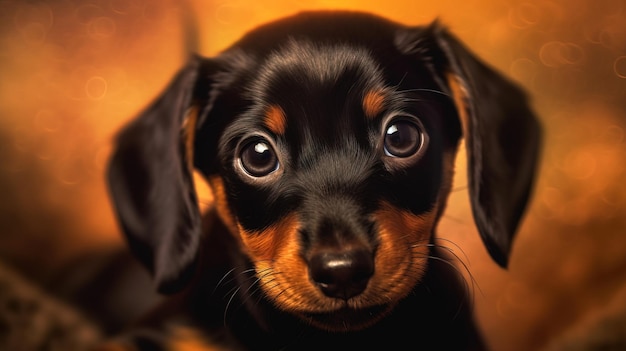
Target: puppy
328, 140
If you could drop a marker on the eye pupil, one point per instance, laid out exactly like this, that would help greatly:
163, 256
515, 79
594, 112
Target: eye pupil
258, 158
402, 139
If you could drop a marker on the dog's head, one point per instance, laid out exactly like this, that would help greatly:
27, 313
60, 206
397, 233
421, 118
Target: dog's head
328, 140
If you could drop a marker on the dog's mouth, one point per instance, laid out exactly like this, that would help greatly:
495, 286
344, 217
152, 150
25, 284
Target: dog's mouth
347, 318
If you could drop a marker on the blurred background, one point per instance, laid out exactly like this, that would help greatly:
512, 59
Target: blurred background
73, 72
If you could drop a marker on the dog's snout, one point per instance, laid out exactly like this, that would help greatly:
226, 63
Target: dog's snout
342, 274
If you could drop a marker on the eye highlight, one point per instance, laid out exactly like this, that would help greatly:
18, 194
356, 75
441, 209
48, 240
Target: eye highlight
403, 138
257, 157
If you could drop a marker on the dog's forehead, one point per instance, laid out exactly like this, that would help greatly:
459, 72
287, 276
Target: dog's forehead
307, 84
308, 65
323, 51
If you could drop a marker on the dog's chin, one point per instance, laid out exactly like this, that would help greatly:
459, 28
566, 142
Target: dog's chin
347, 319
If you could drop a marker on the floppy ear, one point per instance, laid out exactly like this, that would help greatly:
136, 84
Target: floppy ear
502, 136
151, 183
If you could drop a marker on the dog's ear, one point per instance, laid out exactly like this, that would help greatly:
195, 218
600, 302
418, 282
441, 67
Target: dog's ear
502, 138
151, 183
502, 135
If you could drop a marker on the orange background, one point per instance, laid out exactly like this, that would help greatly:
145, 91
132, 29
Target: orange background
73, 72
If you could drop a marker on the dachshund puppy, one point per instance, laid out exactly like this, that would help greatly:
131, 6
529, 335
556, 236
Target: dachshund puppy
328, 140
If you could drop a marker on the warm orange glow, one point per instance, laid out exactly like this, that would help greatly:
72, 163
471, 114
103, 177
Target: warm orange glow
73, 72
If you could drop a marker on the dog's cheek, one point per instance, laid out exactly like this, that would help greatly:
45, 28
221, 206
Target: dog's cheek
274, 251
282, 272
264, 245
402, 255
259, 245
221, 203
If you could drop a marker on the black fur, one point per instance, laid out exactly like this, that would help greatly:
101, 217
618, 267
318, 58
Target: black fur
333, 173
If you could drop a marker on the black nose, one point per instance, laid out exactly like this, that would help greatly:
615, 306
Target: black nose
342, 274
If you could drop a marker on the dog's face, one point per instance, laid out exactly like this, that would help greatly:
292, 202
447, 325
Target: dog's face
333, 175
328, 141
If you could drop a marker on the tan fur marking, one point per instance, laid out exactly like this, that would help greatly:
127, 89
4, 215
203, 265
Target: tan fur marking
275, 119
274, 252
402, 256
401, 260
373, 103
282, 271
188, 339
461, 98
221, 203
189, 134
265, 244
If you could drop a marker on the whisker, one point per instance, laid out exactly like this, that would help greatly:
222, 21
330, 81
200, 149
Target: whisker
253, 287
230, 291
456, 246
401, 80
466, 286
282, 291
412, 100
250, 273
448, 249
470, 290
222, 280
425, 90
254, 283
230, 300
250, 291
464, 262
258, 287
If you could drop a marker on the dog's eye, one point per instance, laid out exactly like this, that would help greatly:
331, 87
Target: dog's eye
258, 158
402, 138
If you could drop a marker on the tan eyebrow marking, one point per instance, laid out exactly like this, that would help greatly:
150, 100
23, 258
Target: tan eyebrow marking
275, 119
373, 103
